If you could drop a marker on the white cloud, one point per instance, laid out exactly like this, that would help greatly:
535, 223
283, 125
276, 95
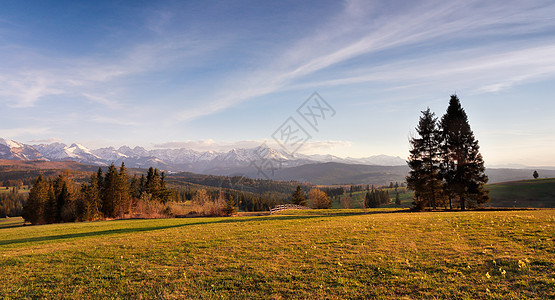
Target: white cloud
16, 132
46, 141
311, 146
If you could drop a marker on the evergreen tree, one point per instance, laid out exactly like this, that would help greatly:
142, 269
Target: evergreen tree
99, 178
135, 187
109, 192
142, 184
371, 200
397, 199
122, 191
367, 200
63, 208
230, 205
164, 193
462, 166
152, 181
299, 197
90, 202
35, 208
424, 162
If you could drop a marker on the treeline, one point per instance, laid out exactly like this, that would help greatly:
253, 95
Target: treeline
110, 195
239, 183
246, 201
12, 202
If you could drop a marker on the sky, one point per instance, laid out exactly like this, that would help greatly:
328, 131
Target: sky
222, 74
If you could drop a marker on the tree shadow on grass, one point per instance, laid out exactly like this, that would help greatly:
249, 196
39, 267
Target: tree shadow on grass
11, 222
154, 228
141, 229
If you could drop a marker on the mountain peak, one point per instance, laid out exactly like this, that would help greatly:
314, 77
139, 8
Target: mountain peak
10, 143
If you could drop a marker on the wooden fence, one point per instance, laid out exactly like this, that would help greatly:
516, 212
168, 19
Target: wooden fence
287, 207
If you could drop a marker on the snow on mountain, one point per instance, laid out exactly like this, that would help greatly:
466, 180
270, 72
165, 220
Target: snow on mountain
109, 154
10, 149
211, 162
75, 152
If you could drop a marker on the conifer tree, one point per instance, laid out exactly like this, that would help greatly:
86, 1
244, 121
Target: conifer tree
135, 187
299, 197
35, 208
230, 205
164, 193
122, 191
424, 162
462, 166
109, 200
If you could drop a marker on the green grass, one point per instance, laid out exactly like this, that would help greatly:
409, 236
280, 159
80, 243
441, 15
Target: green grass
525, 193
535, 193
338, 254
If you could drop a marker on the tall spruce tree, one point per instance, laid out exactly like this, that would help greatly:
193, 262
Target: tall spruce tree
122, 191
462, 166
299, 197
424, 162
109, 192
36, 208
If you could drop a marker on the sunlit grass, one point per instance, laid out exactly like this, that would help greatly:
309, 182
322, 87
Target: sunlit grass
301, 254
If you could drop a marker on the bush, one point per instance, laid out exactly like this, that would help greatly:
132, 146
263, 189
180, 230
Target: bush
319, 199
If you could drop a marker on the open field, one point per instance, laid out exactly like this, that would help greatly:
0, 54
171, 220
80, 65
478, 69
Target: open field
524, 193
301, 254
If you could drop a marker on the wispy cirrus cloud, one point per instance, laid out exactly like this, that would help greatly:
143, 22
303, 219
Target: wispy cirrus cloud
365, 29
477, 69
88, 77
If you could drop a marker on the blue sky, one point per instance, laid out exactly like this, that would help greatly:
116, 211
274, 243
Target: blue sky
220, 74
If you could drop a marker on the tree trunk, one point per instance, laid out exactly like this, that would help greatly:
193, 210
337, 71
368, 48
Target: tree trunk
462, 200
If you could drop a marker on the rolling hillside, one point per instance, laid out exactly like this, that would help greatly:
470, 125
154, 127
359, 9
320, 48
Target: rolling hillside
525, 193
339, 173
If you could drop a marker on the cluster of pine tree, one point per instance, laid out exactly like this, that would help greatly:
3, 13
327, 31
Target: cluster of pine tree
109, 195
11, 203
376, 197
445, 161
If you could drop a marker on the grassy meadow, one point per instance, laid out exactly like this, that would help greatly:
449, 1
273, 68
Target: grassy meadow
382, 253
523, 193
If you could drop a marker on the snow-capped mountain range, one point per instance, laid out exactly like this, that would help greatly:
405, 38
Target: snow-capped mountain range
208, 162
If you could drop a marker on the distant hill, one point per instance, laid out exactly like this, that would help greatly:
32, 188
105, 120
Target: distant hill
28, 170
524, 193
341, 173
504, 174
338, 173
